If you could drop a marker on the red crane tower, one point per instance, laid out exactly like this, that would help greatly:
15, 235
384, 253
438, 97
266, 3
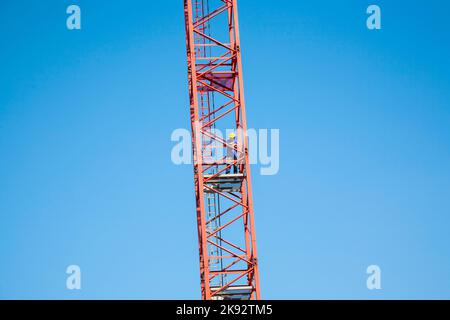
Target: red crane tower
225, 220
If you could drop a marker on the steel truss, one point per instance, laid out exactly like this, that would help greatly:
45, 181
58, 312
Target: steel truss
225, 220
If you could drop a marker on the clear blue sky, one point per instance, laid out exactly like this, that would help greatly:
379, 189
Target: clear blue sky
85, 170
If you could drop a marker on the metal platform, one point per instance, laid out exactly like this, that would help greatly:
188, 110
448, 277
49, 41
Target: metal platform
225, 182
234, 293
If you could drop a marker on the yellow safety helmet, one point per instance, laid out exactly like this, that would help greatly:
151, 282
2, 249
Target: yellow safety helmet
232, 135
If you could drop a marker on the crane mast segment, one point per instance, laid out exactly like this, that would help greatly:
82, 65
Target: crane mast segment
225, 221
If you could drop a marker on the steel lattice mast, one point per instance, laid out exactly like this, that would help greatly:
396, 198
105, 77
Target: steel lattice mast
226, 233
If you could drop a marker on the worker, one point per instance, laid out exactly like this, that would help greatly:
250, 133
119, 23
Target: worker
232, 152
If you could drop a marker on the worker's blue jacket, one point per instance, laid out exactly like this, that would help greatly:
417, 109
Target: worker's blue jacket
231, 152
